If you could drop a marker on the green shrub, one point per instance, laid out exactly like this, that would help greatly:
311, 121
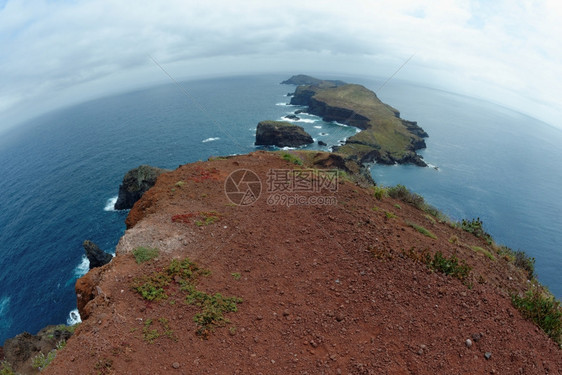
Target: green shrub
6, 368
525, 262
449, 266
476, 227
144, 254
422, 230
543, 310
291, 158
214, 307
379, 192
40, 361
402, 193
184, 273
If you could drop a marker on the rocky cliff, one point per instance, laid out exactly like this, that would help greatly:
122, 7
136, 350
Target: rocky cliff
281, 134
322, 273
135, 183
384, 137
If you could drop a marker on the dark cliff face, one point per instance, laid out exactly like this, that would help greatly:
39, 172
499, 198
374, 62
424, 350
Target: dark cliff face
135, 183
341, 115
281, 134
385, 137
96, 256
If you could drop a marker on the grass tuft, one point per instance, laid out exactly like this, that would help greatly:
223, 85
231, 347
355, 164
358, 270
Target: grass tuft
144, 254
291, 158
402, 193
544, 310
449, 266
422, 230
380, 192
481, 250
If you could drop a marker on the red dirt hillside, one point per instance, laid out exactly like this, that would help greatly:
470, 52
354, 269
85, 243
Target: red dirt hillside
339, 288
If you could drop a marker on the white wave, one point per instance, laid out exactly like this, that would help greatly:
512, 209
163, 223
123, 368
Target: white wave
318, 126
83, 267
210, 139
110, 204
285, 104
73, 318
288, 148
4, 302
306, 120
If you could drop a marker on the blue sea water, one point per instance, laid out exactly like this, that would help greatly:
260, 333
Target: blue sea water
60, 172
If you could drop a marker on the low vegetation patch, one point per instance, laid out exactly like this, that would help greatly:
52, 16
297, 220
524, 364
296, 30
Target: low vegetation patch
6, 368
40, 361
481, 250
422, 230
389, 215
144, 254
402, 193
184, 274
291, 158
380, 192
543, 309
202, 218
476, 227
525, 262
449, 266
151, 330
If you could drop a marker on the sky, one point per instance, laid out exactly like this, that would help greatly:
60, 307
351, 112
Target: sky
55, 53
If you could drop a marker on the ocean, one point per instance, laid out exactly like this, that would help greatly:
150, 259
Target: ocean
61, 173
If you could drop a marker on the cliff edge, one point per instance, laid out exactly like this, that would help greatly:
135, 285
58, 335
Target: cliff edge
384, 136
318, 274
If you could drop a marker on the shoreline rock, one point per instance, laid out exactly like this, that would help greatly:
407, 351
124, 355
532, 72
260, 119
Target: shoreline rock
135, 183
355, 105
96, 256
281, 134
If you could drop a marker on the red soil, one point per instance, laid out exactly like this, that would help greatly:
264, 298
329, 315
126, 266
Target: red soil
333, 289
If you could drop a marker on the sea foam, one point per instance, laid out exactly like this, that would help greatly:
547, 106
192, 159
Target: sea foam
110, 204
82, 268
210, 139
73, 318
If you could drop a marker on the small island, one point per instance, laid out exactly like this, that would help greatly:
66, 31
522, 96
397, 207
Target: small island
384, 136
281, 134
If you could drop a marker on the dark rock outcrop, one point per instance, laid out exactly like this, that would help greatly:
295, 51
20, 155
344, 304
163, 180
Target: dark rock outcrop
281, 134
20, 350
322, 143
135, 183
292, 117
96, 256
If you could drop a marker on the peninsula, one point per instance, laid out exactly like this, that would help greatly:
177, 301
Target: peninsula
384, 136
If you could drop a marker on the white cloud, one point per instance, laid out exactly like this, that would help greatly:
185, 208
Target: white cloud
59, 52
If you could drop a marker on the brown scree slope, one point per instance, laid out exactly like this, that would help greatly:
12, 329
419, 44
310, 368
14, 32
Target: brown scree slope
332, 289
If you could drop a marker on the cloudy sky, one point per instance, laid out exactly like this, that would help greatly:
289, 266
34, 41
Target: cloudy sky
58, 52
